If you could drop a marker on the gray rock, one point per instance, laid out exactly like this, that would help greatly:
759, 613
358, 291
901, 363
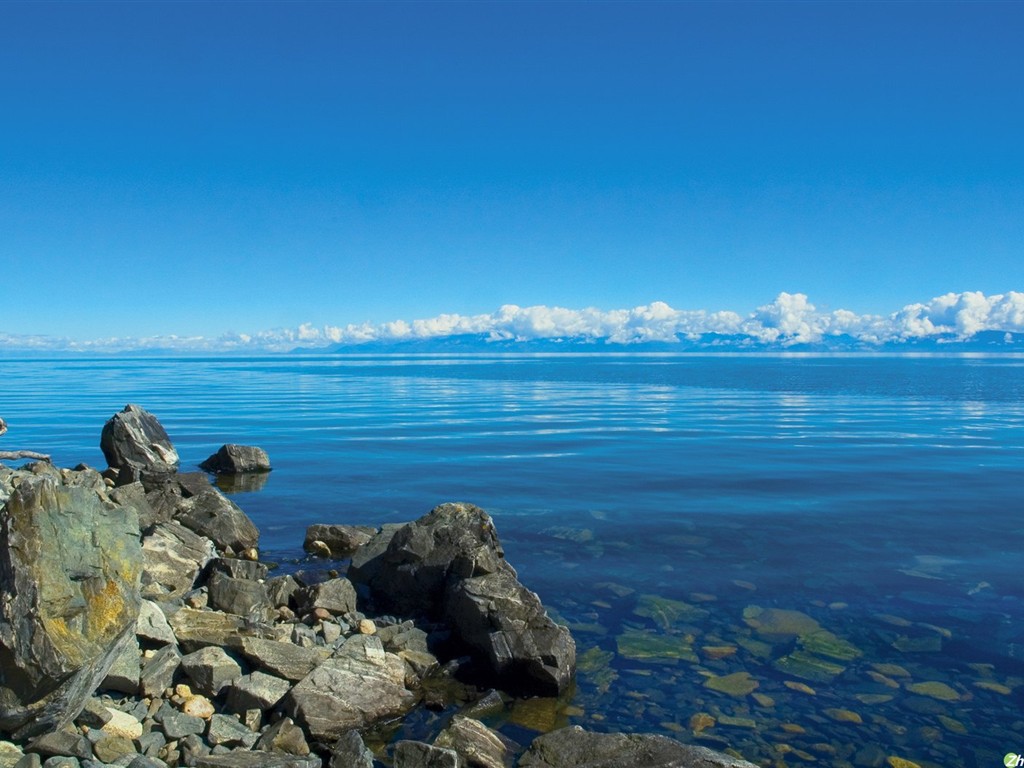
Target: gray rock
403, 637
234, 459
69, 599
94, 714
361, 685
237, 568
284, 737
150, 743
133, 439
158, 671
31, 760
339, 540
134, 495
213, 515
367, 561
178, 725
112, 748
147, 761
337, 596
575, 748
123, 675
174, 558
152, 625
64, 743
192, 748
245, 759
416, 754
210, 669
229, 732
278, 658
241, 597
281, 589
476, 744
64, 762
349, 751
256, 691
197, 629
505, 624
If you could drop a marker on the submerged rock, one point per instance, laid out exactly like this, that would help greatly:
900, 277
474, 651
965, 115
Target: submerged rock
234, 459
69, 599
134, 440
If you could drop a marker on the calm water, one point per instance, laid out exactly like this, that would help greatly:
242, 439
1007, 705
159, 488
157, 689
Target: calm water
845, 534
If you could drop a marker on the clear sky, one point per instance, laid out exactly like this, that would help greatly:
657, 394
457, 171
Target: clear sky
195, 168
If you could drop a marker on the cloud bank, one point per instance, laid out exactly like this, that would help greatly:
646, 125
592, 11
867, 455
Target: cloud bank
790, 320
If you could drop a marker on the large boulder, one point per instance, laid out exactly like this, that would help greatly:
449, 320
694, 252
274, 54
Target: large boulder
449, 565
134, 440
234, 459
70, 566
213, 515
575, 748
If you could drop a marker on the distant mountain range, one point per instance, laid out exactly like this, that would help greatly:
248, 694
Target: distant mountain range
984, 341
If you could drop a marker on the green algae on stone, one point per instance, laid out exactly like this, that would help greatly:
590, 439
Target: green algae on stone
824, 643
737, 722
906, 644
641, 645
935, 690
737, 684
755, 648
808, 666
666, 613
595, 666
779, 623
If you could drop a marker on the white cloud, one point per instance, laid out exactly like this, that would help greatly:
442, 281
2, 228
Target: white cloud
789, 319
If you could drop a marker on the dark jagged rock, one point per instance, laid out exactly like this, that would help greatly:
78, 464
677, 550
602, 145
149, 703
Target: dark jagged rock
452, 542
505, 624
416, 754
210, 669
575, 748
244, 759
336, 540
284, 737
349, 751
234, 459
134, 440
70, 565
239, 569
450, 565
337, 596
241, 597
213, 515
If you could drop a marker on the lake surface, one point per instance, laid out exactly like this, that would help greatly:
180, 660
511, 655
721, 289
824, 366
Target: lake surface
805, 559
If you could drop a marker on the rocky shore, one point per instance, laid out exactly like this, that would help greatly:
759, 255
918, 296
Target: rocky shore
139, 628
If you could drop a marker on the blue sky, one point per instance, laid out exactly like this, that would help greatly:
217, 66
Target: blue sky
198, 168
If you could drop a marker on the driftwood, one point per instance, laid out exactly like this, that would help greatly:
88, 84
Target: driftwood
11, 455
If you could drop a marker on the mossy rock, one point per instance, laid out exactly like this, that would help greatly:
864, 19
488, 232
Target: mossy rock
737, 684
595, 666
935, 690
809, 667
824, 643
779, 623
667, 613
640, 645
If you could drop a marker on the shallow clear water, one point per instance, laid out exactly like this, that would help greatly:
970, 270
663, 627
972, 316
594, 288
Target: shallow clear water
662, 506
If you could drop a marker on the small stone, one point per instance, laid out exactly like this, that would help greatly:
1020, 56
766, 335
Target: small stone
122, 724
899, 762
367, 627
843, 716
701, 721
737, 684
112, 748
199, 706
284, 737
799, 687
